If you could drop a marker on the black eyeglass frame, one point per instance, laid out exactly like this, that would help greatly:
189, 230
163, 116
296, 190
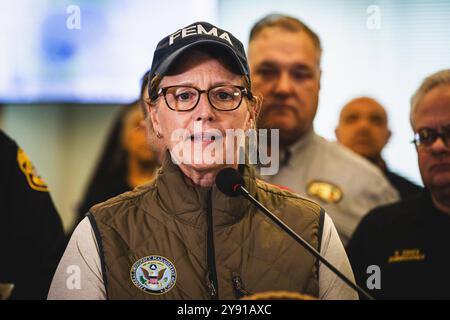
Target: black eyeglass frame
436, 135
244, 93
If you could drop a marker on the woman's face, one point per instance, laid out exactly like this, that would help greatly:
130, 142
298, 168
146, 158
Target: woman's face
134, 137
189, 135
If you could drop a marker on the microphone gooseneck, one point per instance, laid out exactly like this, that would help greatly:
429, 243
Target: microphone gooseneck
230, 182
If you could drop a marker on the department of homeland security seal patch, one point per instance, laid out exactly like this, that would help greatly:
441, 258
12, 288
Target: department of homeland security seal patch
154, 274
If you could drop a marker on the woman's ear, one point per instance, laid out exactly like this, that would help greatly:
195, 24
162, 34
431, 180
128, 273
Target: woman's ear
152, 110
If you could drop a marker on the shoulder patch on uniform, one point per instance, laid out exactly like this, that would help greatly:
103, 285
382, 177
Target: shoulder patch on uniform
325, 191
154, 274
33, 179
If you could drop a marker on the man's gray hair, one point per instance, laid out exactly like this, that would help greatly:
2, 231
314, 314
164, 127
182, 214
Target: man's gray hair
436, 79
285, 22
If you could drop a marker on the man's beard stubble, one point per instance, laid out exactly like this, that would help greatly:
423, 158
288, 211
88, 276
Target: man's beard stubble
288, 136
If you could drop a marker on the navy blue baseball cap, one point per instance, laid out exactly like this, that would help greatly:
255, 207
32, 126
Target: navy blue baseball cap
196, 34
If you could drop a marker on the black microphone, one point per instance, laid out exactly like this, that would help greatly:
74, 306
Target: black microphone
230, 182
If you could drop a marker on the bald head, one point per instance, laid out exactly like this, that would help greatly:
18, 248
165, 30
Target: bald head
363, 127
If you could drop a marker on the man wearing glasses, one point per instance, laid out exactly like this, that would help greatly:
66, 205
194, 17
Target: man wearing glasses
409, 240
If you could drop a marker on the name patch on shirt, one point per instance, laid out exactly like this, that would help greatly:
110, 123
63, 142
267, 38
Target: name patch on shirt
325, 191
406, 255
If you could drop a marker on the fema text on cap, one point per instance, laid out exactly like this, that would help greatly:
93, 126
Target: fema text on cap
198, 29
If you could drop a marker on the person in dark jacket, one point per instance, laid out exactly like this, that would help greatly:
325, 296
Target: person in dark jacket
407, 242
127, 160
363, 128
32, 239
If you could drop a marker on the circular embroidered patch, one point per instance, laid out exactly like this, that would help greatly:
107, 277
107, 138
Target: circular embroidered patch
154, 274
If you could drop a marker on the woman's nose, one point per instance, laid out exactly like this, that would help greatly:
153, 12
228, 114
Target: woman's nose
204, 111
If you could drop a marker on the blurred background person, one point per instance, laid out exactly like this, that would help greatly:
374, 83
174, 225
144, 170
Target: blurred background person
409, 240
32, 239
363, 128
284, 58
128, 159
144, 101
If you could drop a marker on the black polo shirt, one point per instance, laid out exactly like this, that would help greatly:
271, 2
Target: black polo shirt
405, 188
410, 242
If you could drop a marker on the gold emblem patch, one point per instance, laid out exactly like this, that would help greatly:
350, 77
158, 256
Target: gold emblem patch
325, 191
25, 165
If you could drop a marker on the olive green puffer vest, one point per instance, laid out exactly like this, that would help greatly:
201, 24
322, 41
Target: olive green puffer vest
171, 240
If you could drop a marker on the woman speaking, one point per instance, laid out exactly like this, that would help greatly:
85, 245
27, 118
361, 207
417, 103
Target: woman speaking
179, 237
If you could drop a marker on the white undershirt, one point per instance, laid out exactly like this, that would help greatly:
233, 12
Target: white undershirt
79, 273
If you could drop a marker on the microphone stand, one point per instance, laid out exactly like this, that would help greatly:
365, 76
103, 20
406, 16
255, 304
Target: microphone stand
244, 192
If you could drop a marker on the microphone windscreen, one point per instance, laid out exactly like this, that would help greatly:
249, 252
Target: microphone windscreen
228, 180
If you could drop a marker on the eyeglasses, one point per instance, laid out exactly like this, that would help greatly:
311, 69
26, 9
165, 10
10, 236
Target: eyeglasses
426, 137
186, 98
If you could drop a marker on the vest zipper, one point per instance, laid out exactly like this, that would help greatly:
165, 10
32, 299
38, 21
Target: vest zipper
239, 290
211, 255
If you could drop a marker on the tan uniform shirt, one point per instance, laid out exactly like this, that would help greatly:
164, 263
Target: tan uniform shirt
345, 184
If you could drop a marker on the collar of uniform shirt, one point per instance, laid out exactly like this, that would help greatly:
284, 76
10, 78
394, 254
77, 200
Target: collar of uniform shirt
298, 145
286, 154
